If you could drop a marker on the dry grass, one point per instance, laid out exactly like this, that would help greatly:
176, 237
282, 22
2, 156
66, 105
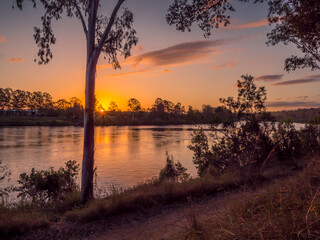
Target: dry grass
19, 219
155, 193
286, 210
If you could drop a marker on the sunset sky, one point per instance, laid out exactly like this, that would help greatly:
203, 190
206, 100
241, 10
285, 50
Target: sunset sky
180, 67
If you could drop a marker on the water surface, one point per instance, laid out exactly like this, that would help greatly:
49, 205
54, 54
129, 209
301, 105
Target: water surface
123, 155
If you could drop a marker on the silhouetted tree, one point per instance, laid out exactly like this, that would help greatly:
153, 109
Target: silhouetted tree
113, 107
134, 106
19, 99
208, 14
297, 22
5, 98
111, 36
62, 104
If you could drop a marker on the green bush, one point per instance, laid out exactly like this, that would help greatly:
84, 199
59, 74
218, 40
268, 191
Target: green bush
43, 186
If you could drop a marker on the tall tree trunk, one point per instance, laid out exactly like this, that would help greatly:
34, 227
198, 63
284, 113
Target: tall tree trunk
88, 144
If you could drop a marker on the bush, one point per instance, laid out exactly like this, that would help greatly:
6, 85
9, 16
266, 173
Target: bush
43, 186
174, 172
4, 174
287, 141
245, 141
310, 138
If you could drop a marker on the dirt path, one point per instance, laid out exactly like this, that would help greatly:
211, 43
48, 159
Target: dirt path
170, 220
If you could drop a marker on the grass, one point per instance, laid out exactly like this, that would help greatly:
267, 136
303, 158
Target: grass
287, 210
23, 217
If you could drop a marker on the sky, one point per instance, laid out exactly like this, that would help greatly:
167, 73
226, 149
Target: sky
177, 66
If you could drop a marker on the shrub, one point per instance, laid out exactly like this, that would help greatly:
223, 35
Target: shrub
47, 185
173, 171
4, 175
245, 141
287, 141
310, 137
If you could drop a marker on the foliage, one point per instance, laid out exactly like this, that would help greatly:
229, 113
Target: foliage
4, 175
310, 138
113, 107
287, 141
208, 14
244, 141
250, 100
173, 171
43, 186
297, 22
134, 105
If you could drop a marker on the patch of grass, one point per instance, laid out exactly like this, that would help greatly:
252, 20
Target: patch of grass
157, 193
19, 219
286, 210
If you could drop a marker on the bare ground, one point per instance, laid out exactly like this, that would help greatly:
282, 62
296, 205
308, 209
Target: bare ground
154, 224
171, 219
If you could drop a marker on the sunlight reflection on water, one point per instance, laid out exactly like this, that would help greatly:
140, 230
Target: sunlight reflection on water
124, 156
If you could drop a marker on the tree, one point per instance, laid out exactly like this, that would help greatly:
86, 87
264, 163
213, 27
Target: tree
297, 22
111, 36
62, 104
134, 106
113, 107
5, 98
208, 14
19, 99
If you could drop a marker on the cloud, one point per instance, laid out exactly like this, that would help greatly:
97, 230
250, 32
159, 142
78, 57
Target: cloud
302, 97
128, 73
16, 60
167, 71
180, 54
293, 104
306, 79
255, 24
138, 48
2, 39
225, 65
269, 78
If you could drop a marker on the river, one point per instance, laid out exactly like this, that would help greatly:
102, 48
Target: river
124, 156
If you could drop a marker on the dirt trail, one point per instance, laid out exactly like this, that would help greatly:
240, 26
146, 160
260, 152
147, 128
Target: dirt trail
170, 220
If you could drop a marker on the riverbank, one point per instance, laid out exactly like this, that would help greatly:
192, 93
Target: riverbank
70, 220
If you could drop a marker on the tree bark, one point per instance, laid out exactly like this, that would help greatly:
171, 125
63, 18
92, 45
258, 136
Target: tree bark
88, 143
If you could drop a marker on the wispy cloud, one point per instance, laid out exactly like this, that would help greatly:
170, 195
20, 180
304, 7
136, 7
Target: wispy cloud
293, 104
16, 60
225, 65
303, 80
255, 24
269, 78
180, 54
128, 73
138, 48
303, 97
2, 39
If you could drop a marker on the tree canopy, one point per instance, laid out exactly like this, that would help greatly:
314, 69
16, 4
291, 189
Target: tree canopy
297, 22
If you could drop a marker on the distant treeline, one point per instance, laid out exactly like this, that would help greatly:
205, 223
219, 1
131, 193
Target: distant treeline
24, 104
17, 106
300, 115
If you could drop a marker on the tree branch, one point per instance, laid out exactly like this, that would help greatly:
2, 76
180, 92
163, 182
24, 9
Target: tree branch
108, 28
81, 18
